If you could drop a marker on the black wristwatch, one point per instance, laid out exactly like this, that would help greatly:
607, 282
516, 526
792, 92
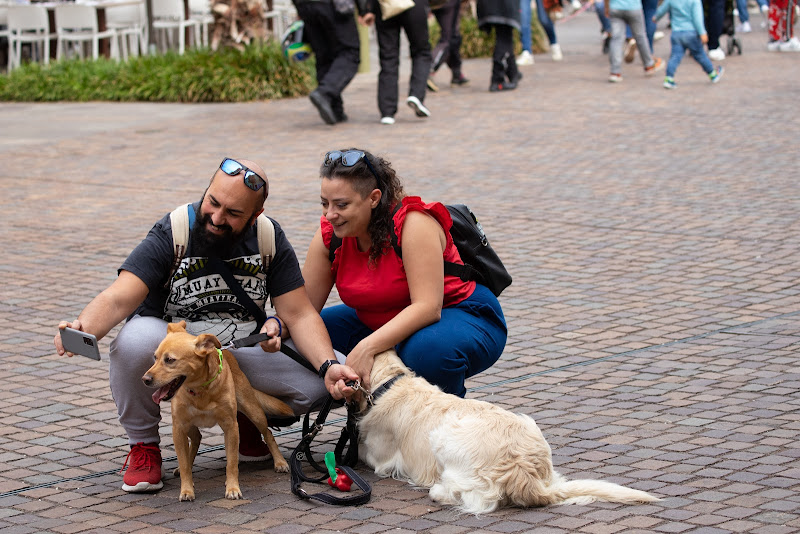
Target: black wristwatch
324, 367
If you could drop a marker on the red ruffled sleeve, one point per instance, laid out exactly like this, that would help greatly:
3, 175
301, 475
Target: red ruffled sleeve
327, 230
437, 210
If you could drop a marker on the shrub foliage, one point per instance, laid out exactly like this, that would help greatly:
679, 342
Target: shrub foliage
259, 72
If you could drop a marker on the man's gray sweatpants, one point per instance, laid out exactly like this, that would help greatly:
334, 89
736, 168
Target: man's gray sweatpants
132, 354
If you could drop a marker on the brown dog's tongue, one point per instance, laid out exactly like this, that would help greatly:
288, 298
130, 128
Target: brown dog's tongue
160, 393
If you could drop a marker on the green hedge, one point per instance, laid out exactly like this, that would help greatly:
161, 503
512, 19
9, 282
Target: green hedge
259, 72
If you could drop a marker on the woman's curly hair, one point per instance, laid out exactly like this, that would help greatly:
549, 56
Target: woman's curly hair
363, 181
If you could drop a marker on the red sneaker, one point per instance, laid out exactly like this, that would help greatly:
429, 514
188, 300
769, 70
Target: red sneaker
251, 445
144, 472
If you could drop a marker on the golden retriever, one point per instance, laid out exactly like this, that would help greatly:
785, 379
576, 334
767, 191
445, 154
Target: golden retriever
469, 453
208, 388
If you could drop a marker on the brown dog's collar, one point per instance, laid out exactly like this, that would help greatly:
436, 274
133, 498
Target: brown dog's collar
219, 371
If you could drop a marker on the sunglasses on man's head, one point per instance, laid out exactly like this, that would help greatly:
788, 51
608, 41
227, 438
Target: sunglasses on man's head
348, 158
231, 167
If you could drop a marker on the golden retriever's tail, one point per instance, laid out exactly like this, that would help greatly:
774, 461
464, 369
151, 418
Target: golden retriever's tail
273, 406
563, 491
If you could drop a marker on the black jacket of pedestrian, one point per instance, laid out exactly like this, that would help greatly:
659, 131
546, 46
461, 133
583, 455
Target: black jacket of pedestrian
505, 12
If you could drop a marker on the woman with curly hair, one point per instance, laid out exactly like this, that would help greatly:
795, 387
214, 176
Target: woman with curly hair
443, 328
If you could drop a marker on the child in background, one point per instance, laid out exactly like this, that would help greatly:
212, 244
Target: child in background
628, 12
688, 32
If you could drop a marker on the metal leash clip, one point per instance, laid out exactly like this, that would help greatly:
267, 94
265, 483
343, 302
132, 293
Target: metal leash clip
357, 387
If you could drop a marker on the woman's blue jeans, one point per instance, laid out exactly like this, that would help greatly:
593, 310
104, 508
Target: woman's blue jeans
469, 338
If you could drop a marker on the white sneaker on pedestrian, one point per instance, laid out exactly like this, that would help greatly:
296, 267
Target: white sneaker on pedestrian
387, 120
774, 46
716, 54
525, 58
744, 27
576, 5
658, 35
419, 110
792, 45
555, 52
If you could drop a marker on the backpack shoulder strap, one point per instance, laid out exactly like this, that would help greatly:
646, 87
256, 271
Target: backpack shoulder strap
181, 220
265, 231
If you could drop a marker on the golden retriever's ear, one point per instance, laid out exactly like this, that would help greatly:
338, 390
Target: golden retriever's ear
206, 343
176, 327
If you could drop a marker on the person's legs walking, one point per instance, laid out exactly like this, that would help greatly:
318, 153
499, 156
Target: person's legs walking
649, 8
617, 40
714, 20
695, 46
389, 57
635, 20
677, 52
415, 24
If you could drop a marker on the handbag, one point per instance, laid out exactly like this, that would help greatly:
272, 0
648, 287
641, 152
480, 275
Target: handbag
344, 7
390, 8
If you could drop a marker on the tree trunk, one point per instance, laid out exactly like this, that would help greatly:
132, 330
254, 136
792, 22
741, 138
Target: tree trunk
238, 22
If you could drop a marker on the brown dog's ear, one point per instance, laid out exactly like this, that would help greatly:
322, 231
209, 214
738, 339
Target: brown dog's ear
206, 343
176, 327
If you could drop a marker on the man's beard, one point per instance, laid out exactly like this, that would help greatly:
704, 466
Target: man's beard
210, 245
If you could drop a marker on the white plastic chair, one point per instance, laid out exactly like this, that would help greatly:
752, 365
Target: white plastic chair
200, 10
77, 24
168, 16
28, 24
283, 13
130, 23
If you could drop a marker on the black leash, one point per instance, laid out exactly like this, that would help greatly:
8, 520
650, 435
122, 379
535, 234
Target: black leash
303, 452
253, 309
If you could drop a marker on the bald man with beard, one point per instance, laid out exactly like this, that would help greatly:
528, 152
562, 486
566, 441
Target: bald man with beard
150, 292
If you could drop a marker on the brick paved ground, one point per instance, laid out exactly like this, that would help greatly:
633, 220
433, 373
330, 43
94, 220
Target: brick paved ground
653, 237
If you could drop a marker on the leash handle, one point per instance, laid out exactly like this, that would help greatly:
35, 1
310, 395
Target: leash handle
303, 452
249, 341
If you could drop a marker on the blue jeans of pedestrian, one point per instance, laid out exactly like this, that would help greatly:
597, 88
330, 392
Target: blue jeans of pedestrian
683, 41
544, 20
469, 338
741, 6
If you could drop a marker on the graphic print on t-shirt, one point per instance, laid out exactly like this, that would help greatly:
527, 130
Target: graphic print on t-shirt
206, 303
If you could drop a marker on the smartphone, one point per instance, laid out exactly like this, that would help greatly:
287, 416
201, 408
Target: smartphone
81, 343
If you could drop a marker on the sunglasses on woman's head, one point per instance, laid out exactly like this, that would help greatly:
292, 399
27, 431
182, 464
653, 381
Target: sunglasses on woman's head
348, 158
231, 167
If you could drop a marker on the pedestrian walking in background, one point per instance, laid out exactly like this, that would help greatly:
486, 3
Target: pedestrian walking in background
414, 22
502, 16
622, 12
526, 57
688, 33
448, 49
333, 37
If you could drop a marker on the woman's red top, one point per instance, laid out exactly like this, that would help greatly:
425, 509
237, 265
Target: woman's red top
379, 292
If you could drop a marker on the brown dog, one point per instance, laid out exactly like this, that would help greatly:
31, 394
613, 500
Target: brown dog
207, 388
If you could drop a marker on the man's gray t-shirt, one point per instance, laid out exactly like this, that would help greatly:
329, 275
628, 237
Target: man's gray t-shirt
201, 297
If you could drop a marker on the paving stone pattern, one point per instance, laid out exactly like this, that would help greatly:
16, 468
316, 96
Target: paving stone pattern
654, 318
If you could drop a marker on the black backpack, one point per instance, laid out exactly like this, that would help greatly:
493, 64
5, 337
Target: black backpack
481, 263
